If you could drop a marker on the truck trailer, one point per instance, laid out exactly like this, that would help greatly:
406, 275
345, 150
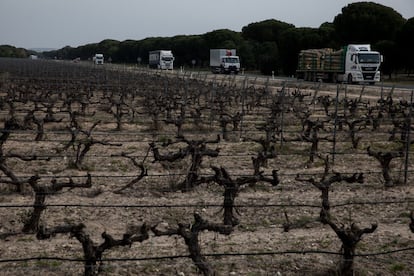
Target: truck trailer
161, 59
351, 64
224, 61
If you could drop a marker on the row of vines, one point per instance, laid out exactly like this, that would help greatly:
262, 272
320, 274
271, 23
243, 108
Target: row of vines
115, 170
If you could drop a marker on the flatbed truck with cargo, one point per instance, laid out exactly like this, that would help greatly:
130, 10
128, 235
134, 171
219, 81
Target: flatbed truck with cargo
352, 64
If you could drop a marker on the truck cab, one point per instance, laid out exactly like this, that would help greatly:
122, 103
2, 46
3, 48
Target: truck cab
362, 64
98, 59
167, 62
230, 64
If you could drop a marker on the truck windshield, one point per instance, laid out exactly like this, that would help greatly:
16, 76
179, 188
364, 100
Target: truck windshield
231, 60
167, 58
369, 58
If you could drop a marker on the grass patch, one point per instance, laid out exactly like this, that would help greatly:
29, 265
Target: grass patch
48, 263
397, 267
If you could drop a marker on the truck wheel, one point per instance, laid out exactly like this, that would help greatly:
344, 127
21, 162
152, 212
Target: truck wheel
350, 81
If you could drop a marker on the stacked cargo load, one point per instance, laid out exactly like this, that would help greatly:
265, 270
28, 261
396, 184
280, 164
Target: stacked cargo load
321, 60
335, 61
312, 59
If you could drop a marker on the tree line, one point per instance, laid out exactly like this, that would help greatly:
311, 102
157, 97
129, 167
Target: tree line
272, 45
13, 52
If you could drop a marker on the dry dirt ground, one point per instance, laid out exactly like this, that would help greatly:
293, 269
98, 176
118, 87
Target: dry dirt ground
257, 246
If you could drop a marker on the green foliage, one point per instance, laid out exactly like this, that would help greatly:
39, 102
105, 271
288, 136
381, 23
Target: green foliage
263, 38
187, 48
398, 267
364, 22
329, 36
405, 41
222, 39
128, 51
13, 52
110, 48
268, 58
268, 30
246, 51
388, 49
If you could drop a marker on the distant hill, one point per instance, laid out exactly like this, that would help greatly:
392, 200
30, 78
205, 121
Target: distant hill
40, 50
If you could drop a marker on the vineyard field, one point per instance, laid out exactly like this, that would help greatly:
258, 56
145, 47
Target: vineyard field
117, 170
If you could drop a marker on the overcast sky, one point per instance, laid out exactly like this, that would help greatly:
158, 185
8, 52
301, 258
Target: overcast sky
58, 23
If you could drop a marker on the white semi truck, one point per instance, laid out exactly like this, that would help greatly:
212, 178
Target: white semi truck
161, 59
98, 59
355, 63
224, 61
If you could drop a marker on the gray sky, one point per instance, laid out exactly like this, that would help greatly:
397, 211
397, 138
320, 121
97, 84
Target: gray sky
58, 23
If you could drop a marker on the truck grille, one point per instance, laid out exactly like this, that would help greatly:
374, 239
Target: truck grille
368, 76
369, 69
